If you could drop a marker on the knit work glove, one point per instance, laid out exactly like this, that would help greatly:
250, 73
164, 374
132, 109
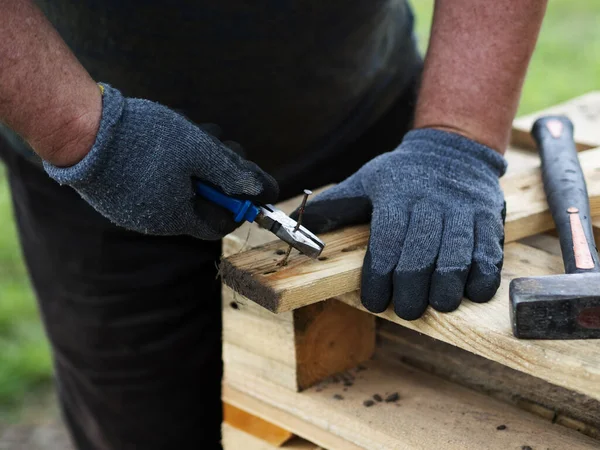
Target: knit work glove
140, 169
437, 222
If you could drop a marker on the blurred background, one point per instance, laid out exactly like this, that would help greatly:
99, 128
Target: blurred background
565, 64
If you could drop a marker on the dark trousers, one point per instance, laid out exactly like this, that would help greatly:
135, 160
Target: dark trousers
134, 320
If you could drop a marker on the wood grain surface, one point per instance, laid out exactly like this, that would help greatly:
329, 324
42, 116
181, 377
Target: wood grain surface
554, 403
313, 433
427, 413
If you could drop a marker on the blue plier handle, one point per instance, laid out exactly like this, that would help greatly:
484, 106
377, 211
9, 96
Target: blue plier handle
267, 217
241, 209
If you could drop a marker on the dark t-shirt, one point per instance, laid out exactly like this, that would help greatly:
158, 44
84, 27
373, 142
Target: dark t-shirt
285, 78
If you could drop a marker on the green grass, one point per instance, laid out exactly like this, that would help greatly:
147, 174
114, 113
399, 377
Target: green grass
565, 65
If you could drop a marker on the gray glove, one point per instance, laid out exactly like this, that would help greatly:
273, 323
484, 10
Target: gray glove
437, 222
140, 169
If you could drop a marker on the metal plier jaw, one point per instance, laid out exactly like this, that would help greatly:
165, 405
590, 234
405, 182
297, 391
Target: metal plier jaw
268, 217
284, 227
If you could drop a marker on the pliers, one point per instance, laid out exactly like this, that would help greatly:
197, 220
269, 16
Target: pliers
267, 217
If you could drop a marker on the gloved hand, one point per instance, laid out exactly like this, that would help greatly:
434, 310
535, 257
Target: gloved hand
140, 169
437, 222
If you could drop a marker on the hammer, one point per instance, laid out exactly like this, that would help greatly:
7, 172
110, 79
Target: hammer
561, 306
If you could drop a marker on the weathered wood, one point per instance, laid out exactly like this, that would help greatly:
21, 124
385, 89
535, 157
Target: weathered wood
583, 111
255, 274
297, 348
309, 431
484, 329
235, 439
397, 343
257, 427
521, 160
430, 413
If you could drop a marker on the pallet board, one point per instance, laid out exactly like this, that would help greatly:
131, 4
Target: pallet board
257, 427
584, 112
556, 404
307, 430
255, 273
430, 413
235, 439
484, 329
297, 348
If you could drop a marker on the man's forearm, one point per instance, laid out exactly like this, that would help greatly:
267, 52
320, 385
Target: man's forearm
476, 62
45, 94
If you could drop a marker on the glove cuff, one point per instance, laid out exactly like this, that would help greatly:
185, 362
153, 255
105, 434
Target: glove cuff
90, 166
460, 146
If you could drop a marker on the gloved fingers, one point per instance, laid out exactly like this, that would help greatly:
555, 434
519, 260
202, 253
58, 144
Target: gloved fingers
343, 204
488, 256
239, 177
454, 260
212, 222
412, 276
388, 231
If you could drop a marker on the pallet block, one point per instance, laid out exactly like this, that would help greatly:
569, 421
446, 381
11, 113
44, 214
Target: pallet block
298, 348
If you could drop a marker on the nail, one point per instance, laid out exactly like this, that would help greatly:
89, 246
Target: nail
301, 211
307, 192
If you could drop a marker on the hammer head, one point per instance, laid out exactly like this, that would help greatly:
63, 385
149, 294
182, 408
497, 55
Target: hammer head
556, 306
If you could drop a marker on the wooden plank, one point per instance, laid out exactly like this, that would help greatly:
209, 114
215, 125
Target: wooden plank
583, 111
257, 427
255, 274
484, 329
430, 413
520, 160
295, 349
307, 430
235, 439
545, 241
397, 343
258, 341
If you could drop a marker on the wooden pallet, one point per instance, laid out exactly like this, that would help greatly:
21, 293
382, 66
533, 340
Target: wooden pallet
302, 354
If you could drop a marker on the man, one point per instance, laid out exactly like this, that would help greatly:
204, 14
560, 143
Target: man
107, 110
